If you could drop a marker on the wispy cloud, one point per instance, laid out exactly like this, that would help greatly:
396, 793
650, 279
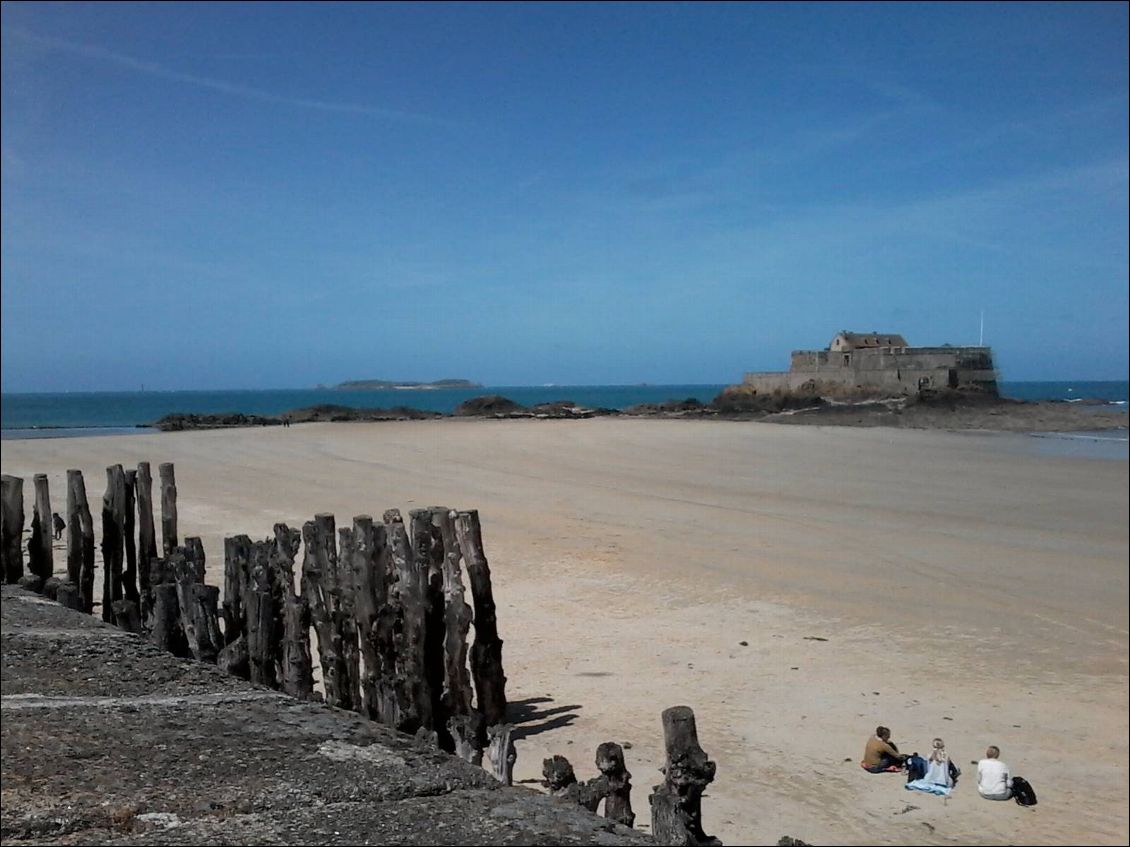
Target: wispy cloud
247, 92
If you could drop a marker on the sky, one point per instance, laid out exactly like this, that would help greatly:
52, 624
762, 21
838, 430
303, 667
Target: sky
209, 196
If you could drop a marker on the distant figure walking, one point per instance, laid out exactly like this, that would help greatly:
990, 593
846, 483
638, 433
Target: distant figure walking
994, 781
59, 525
880, 755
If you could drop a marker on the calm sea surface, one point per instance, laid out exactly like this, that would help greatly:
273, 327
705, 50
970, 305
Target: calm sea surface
54, 415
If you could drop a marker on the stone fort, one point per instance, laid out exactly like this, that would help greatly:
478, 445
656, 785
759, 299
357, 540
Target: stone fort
880, 364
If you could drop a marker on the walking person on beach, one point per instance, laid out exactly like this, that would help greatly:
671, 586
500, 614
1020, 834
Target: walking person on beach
58, 524
880, 755
994, 780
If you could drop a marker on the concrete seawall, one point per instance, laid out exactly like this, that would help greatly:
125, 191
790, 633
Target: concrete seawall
106, 739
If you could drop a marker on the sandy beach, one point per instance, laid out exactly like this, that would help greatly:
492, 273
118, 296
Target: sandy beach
795, 585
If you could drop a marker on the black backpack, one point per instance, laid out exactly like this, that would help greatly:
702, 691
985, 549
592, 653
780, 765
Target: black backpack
1023, 792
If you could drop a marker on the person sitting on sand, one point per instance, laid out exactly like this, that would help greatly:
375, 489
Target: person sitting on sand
59, 525
881, 755
941, 773
994, 782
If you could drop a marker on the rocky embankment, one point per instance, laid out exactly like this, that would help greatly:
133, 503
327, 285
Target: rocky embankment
941, 410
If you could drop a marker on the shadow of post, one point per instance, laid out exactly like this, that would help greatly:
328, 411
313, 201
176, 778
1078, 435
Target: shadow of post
530, 717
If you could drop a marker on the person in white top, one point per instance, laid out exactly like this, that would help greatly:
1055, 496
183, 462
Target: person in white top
994, 782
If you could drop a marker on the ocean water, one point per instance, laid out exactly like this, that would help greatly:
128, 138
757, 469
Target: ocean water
111, 413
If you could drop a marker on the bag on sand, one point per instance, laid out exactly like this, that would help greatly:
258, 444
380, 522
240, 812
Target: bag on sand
915, 767
1023, 792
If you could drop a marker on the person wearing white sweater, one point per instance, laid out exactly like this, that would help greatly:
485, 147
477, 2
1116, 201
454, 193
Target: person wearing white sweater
994, 781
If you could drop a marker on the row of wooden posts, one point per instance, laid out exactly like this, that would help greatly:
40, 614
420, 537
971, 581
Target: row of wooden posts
386, 601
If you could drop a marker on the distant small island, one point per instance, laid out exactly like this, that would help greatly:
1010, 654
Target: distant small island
384, 384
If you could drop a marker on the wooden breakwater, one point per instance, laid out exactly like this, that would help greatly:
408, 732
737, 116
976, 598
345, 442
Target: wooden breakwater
385, 598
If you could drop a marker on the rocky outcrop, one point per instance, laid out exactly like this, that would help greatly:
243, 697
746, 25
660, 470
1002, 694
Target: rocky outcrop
183, 421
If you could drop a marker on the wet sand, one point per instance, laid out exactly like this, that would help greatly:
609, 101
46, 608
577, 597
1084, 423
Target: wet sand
969, 585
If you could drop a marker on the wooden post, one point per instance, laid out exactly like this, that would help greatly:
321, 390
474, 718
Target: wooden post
80, 540
12, 527
427, 554
234, 659
319, 572
467, 731
126, 615
676, 805
296, 675
194, 554
129, 575
168, 508
457, 691
502, 753
166, 630
113, 529
486, 652
199, 616
345, 625
409, 589
70, 595
41, 559
372, 614
259, 617
237, 578
146, 536
617, 783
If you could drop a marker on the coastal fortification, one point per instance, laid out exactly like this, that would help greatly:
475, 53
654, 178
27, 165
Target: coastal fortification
878, 364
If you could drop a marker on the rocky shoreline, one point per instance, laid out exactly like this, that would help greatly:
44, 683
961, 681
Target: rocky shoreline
947, 410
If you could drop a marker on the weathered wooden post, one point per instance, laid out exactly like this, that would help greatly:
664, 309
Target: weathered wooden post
194, 555
345, 624
80, 539
427, 553
676, 805
486, 652
199, 616
168, 507
113, 530
129, 575
617, 783
237, 576
259, 617
502, 753
146, 536
319, 573
296, 675
12, 527
457, 690
468, 732
40, 554
368, 563
410, 591
166, 630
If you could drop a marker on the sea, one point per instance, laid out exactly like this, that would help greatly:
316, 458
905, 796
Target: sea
132, 412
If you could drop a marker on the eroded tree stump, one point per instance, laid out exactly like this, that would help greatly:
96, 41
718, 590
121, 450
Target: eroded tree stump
80, 540
617, 781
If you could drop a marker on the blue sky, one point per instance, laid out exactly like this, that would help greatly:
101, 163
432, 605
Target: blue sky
224, 196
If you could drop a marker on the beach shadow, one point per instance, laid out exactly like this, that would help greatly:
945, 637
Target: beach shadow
530, 717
